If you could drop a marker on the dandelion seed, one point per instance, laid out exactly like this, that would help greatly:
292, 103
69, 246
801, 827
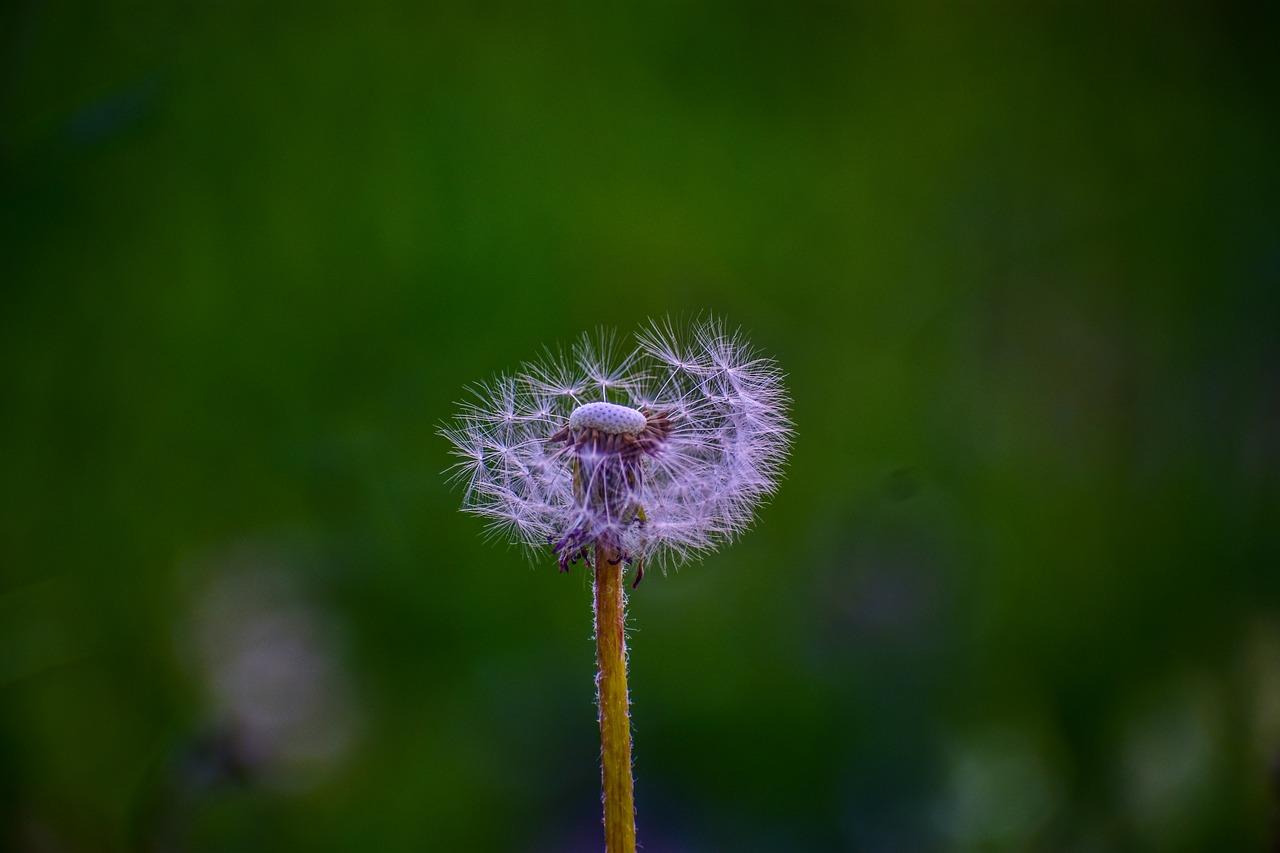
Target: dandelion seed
661, 453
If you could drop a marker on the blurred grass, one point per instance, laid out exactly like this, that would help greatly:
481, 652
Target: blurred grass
1019, 262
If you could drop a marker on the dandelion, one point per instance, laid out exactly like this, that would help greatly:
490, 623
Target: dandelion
617, 457
659, 454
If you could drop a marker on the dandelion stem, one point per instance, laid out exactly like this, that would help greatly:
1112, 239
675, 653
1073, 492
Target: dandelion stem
615, 717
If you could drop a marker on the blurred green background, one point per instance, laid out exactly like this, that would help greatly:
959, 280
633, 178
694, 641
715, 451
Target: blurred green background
1019, 590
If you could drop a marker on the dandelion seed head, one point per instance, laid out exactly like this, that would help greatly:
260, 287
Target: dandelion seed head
660, 452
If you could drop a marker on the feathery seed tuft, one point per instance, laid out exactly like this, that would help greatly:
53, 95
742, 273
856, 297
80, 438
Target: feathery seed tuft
661, 453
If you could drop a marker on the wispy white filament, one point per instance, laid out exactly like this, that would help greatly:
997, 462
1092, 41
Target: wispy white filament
695, 485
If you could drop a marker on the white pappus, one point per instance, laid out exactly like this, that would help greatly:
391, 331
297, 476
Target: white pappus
656, 453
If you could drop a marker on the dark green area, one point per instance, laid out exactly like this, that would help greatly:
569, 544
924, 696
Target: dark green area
1020, 589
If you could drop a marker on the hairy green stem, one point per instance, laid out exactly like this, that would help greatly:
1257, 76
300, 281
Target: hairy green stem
615, 716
